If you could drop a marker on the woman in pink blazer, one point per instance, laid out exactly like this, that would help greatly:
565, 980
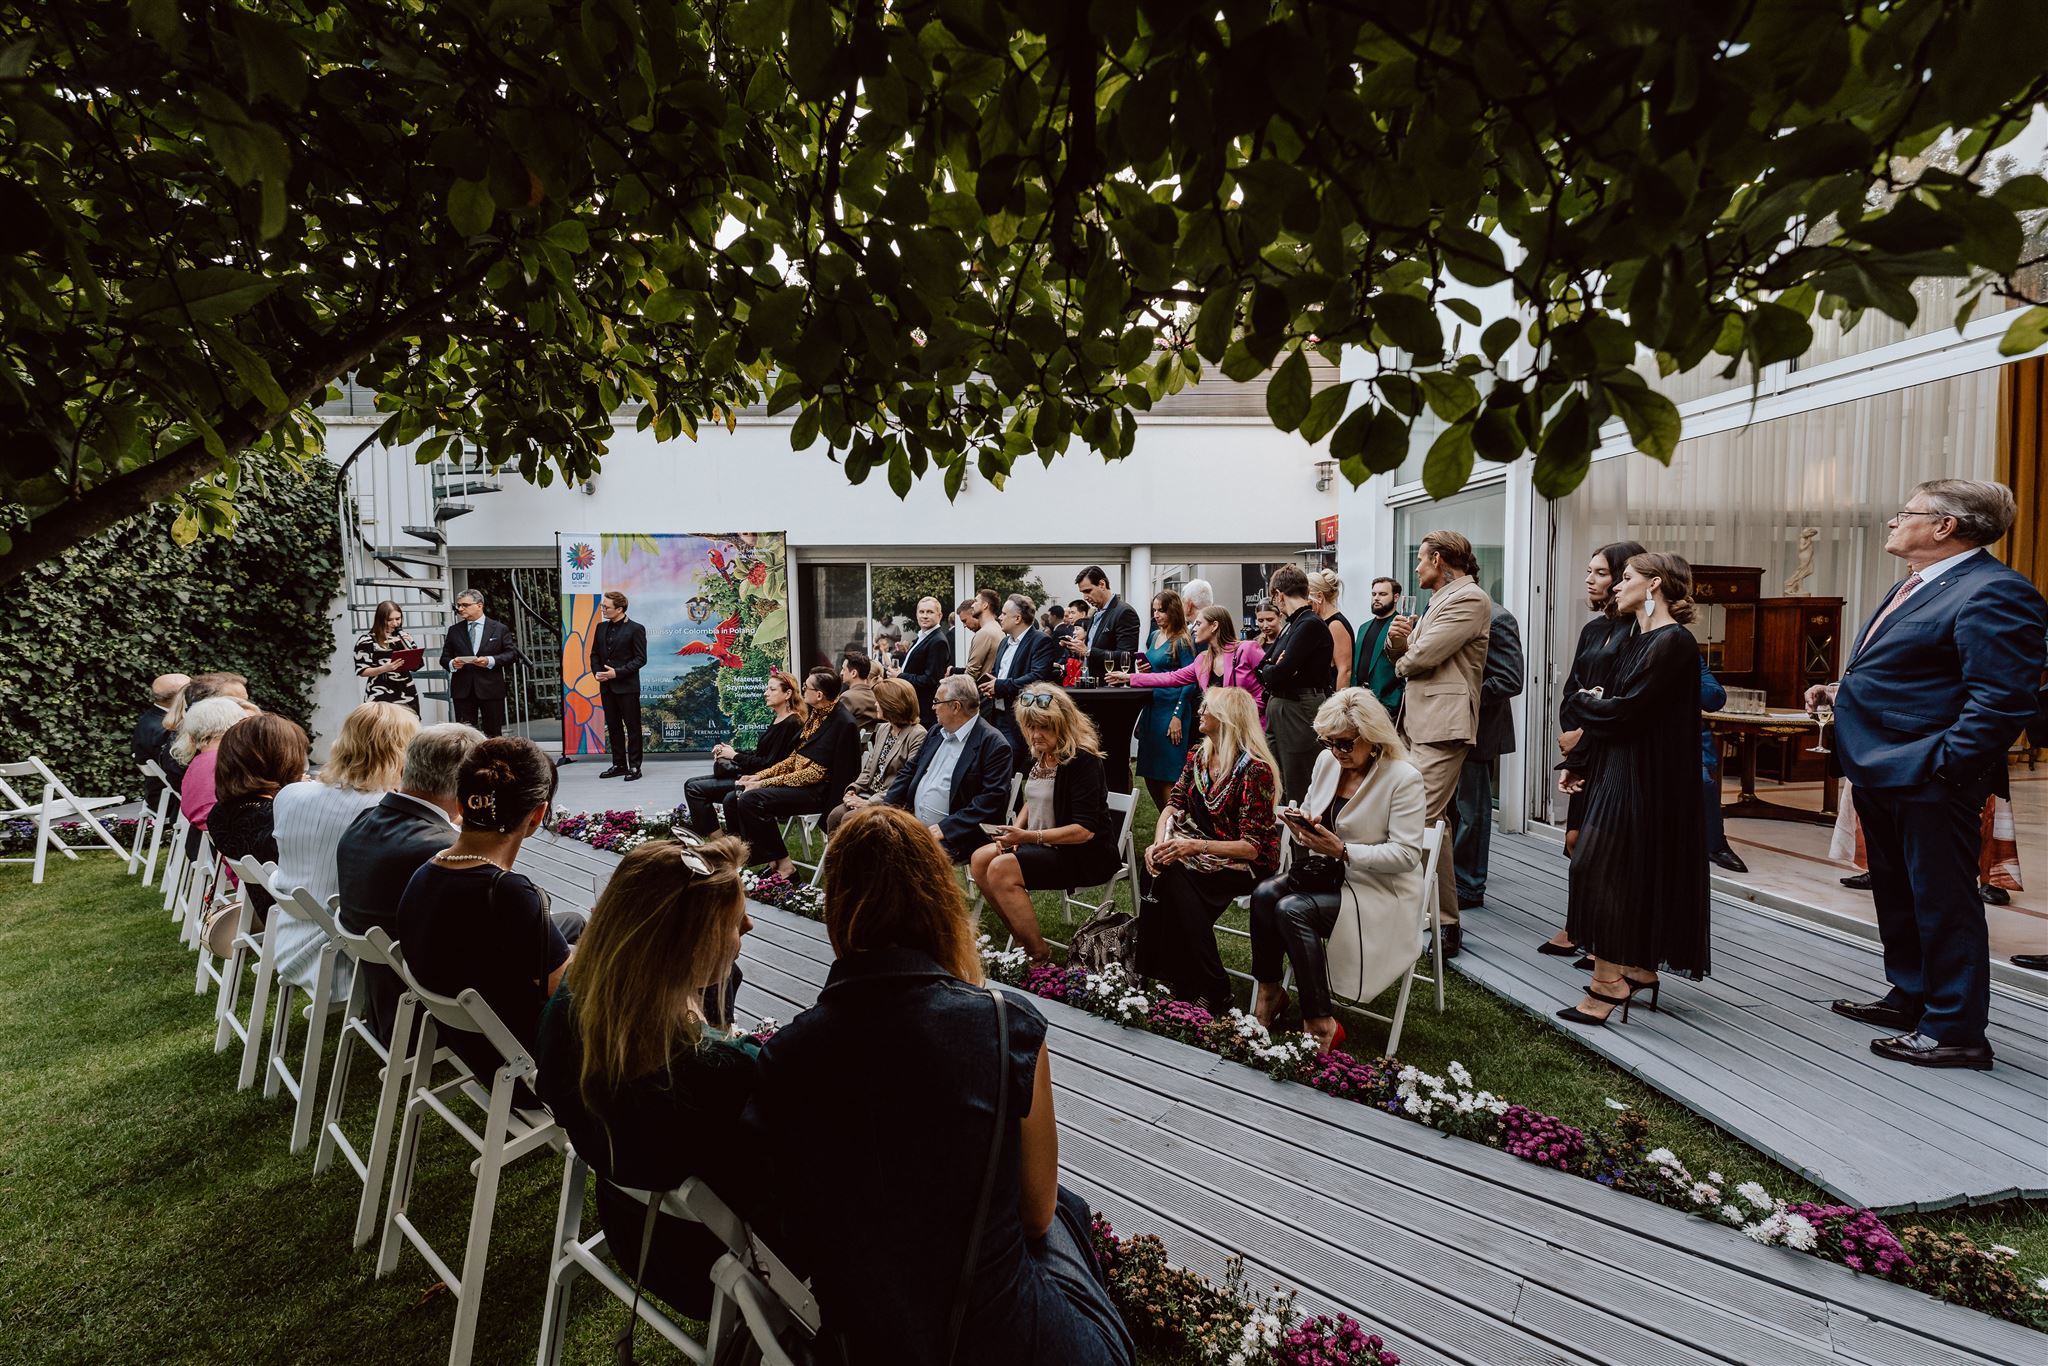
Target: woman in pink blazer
1223, 660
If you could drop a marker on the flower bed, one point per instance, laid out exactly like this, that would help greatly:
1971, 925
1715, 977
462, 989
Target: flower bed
19, 837
1616, 1154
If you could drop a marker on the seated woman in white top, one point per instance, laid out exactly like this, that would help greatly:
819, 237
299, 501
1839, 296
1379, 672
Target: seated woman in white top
1348, 909
310, 818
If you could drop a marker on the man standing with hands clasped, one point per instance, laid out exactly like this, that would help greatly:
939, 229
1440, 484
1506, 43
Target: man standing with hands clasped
475, 653
618, 651
1938, 685
1442, 655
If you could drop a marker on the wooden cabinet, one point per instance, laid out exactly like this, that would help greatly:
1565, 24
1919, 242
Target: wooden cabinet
1781, 645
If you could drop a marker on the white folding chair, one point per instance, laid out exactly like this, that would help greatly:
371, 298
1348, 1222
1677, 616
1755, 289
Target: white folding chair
58, 804
377, 948
806, 824
252, 949
508, 1134
202, 885
1433, 842
1126, 804
154, 818
303, 1085
1016, 797
578, 1255
765, 1310
175, 864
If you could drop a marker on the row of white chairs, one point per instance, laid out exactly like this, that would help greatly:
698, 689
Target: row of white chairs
757, 1302
58, 805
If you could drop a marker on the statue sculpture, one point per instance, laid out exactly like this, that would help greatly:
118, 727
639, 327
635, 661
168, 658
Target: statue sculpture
1795, 586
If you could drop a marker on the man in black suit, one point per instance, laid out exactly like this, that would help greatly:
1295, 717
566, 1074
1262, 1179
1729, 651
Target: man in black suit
1112, 627
1501, 682
960, 780
387, 844
618, 651
1026, 656
475, 653
149, 731
930, 655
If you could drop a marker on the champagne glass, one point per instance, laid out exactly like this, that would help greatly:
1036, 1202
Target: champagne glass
1823, 713
1406, 606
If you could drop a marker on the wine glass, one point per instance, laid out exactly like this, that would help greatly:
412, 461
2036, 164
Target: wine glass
1823, 713
1406, 606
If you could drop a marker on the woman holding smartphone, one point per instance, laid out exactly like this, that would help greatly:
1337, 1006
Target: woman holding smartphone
1064, 836
1346, 912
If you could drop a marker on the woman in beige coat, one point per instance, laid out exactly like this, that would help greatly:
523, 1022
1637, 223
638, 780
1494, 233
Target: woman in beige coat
1348, 910
895, 745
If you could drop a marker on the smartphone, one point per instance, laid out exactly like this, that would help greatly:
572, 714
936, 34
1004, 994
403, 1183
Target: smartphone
992, 830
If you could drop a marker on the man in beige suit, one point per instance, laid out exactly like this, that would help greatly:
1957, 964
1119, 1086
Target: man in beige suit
1442, 655
978, 614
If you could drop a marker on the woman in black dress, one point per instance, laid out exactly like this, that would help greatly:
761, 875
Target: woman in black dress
258, 757
388, 680
1324, 589
1600, 642
1639, 877
702, 795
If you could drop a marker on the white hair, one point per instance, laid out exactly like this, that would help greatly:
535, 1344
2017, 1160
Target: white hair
206, 721
1197, 594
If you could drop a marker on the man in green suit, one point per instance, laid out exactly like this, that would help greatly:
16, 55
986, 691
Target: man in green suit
1373, 667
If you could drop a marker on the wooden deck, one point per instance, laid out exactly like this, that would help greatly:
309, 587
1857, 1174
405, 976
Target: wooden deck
1453, 1251
1755, 1049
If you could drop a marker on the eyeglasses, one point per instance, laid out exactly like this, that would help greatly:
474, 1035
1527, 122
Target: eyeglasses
1339, 744
1041, 700
1913, 512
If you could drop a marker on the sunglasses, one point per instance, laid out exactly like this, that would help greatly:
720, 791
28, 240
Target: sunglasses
1340, 744
1042, 700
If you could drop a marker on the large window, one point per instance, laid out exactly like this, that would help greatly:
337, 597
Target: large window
1480, 515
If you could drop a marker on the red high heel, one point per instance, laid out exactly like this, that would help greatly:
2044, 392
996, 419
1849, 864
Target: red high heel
1336, 1040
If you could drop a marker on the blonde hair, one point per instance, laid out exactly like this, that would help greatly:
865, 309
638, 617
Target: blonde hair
1072, 729
1236, 713
656, 939
1358, 711
205, 721
1325, 584
369, 753
889, 885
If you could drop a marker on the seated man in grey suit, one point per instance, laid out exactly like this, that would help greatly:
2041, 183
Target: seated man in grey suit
961, 778
387, 844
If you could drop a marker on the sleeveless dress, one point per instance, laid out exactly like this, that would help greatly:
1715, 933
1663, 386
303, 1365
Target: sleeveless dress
1159, 758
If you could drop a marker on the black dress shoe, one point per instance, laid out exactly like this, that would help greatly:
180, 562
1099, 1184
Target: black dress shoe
1861, 882
1725, 858
1454, 940
1922, 1051
1466, 903
1994, 896
1878, 1013
2037, 962
635, 776
615, 771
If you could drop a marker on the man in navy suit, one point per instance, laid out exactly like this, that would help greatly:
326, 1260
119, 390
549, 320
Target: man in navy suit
1026, 656
960, 780
1112, 627
475, 652
1939, 684
930, 655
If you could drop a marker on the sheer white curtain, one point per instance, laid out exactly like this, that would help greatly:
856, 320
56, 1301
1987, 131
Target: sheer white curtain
1743, 497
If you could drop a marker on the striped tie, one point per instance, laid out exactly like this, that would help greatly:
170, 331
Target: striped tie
1906, 590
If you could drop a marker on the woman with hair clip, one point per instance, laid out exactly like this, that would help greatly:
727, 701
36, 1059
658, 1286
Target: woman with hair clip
468, 920
1216, 839
638, 1061
1344, 912
1601, 642
915, 1107
1324, 589
1064, 836
1639, 877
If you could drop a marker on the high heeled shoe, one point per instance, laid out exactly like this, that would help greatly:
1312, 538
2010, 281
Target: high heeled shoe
1336, 1040
1558, 950
1651, 986
1573, 1015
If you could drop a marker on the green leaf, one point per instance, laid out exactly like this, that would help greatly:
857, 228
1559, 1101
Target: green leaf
1411, 324
1498, 337
1324, 410
1449, 462
1215, 322
570, 235
272, 61
1287, 398
758, 24
2028, 332
251, 369
1450, 396
1240, 364
470, 207
804, 430
210, 294
1776, 333
157, 18
1651, 418
1566, 451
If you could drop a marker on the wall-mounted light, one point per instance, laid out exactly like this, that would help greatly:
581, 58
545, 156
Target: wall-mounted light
1326, 471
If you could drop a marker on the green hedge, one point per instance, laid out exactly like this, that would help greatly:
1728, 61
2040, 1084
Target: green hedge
82, 636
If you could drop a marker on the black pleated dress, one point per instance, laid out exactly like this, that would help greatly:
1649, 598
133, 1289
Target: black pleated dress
1601, 642
1639, 875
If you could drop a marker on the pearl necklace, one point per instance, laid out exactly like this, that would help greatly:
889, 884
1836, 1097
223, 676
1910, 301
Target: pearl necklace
470, 858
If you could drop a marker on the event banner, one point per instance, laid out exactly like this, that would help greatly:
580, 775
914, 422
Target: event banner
716, 609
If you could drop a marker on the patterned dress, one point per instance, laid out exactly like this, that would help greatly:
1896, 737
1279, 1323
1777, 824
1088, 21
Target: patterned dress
392, 687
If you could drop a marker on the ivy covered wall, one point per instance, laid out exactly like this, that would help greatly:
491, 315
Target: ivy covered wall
82, 636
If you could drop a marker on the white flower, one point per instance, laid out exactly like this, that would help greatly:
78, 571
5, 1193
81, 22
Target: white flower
768, 1023
1662, 1157
1731, 1215
1715, 1177
1756, 1195
2041, 1284
1704, 1194
1614, 1104
1800, 1235
1460, 1075
2006, 1252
